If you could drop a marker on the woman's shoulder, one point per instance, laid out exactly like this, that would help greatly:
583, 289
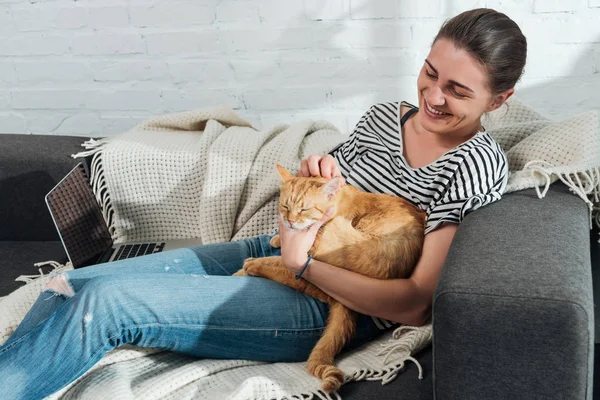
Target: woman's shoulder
385, 107
484, 155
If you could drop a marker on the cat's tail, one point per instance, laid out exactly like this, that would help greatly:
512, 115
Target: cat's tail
341, 326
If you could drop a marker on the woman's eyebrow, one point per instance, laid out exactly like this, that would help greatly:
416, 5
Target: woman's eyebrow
451, 81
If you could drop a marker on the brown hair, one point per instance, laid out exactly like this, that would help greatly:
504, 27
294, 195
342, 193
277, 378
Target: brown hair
494, 40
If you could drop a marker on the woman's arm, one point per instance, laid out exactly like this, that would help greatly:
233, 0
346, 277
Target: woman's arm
401, 300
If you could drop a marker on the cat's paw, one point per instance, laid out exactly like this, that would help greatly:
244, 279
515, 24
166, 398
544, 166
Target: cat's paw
241, 272
252, 266
275, 242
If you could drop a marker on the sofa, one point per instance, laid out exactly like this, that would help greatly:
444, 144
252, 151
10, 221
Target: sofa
513, 312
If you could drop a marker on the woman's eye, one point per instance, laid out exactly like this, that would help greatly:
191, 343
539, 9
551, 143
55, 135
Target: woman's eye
304, 209
284, 206
429, 74
457, 94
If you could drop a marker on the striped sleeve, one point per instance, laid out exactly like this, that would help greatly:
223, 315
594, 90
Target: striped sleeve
479, 180
346, 153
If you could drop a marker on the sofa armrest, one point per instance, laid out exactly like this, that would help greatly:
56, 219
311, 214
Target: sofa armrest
31, 165
513, 312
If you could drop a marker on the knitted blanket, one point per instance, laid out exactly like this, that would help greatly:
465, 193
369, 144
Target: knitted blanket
541, 151
208, 174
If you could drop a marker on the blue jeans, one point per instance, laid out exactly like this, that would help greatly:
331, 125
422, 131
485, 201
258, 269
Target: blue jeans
181, 300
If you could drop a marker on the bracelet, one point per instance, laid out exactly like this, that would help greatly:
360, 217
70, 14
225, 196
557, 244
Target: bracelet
305, 266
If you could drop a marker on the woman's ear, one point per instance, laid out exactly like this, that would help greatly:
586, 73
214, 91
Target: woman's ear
500, 99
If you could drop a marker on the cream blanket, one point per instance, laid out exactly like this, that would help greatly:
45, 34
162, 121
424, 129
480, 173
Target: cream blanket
208, 174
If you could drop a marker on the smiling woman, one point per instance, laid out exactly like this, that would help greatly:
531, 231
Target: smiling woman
436, 156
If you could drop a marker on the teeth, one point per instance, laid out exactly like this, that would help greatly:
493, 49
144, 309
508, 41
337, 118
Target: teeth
433, 111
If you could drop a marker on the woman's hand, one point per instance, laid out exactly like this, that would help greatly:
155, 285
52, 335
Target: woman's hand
315, 165
295, 243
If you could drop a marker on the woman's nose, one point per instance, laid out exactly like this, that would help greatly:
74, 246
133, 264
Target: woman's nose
436, 96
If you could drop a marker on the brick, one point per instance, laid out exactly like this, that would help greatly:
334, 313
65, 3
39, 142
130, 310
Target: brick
374, 65
286, 98
512, 8
238, 12
552, 6
200, 71
108, 17
577, 94
52, 71
7, 25
183, 42
249, 40
556, 60
42, 17
455, 7
172, 14
80, 124
194, 98
11, 122
585, 30
7, 73
126, 71
254, 69
117, 124
108, 43
4, 99
51, 99
34, 44
423, 33
280, 13
360, 96
270, 119
361, 9
327, 10
363, 34
125, 99
420, 9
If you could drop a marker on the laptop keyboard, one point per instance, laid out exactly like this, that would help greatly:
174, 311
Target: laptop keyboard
136, 250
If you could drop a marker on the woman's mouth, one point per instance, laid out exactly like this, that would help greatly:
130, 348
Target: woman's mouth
433, 113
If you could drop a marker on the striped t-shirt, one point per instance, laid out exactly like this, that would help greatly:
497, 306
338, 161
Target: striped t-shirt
468, 177
464, 179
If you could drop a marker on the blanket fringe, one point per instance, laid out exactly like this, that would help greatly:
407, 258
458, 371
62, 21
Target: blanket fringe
98, 180
93, 146
585, 184
56, 268
311, 396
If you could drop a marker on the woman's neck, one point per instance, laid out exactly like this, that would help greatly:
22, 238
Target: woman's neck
447, 140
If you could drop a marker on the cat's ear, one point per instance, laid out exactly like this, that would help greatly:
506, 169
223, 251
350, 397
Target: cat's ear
285, 174
332, 187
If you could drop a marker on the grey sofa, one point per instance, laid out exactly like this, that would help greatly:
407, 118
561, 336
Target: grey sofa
513, 311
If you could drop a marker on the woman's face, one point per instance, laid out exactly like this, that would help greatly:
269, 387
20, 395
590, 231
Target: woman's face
453, 91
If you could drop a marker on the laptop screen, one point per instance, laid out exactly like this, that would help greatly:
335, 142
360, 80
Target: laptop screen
78, 217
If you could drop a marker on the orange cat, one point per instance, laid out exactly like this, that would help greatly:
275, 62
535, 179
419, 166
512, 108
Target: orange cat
377, 235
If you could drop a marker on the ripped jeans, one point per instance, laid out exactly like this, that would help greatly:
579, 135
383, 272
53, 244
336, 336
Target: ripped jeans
180, 300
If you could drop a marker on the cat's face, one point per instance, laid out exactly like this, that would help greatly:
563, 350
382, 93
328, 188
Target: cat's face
304, 201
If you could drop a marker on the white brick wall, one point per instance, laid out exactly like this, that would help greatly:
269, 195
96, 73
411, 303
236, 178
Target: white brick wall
99, 67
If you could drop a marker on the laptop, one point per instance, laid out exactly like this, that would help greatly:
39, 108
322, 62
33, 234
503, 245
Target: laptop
83, 230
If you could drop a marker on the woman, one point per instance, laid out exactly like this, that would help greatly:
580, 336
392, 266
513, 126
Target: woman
437, 156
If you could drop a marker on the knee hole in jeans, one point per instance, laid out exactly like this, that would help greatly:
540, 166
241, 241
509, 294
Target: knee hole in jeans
60, 285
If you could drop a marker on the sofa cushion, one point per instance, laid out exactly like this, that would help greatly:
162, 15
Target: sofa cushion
31, 165
17, 258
